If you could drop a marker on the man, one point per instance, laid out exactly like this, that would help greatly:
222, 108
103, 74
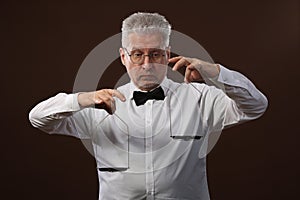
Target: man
152, 144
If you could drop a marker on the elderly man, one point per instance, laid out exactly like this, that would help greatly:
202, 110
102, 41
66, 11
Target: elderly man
149, 136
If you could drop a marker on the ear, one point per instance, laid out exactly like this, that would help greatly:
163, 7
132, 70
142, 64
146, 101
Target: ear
122, 55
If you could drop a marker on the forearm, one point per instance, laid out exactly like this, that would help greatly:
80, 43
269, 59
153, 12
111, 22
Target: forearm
64, 113
47, 114
248, 102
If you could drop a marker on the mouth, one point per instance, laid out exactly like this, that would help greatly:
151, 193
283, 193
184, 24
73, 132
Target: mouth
147, 77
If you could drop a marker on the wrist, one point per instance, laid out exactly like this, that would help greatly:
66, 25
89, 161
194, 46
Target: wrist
84, 99
210, 70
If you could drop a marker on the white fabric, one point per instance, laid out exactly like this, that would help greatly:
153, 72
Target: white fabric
154, 144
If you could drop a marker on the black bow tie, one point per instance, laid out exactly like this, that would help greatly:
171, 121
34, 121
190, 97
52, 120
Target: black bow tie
140, 98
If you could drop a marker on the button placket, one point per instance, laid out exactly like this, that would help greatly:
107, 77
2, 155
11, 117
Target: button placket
148, 148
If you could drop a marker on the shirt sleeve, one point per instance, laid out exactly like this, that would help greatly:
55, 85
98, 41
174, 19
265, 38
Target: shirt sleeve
242, 102
62, 114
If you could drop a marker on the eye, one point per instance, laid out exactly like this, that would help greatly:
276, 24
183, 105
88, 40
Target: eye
137, 54
155, 54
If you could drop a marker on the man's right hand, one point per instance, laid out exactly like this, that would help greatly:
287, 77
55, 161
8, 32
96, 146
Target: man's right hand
102, 99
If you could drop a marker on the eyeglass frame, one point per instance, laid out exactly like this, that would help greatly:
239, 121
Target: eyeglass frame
143, 55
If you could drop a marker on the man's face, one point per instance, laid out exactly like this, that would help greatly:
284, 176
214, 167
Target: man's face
145, 60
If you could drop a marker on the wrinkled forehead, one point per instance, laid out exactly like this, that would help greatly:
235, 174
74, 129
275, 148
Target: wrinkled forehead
145, 41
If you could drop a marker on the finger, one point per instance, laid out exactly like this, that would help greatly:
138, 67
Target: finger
196, 76
113, 107
103, 96
108, 104
98, 101
175, 59
180, 63
118, 94
97, 98
109, 108
187, 75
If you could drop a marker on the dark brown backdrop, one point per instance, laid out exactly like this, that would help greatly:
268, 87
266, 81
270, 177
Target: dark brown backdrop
44, 43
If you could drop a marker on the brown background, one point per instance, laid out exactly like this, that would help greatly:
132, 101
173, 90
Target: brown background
44, 42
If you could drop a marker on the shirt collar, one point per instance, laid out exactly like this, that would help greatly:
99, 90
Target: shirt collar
165, 85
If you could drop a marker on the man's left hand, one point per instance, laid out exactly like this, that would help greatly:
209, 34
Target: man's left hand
196, 69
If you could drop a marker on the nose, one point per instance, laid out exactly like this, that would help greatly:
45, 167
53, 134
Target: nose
146, 59
146, 64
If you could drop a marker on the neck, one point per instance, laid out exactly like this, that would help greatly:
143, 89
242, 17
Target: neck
149, 88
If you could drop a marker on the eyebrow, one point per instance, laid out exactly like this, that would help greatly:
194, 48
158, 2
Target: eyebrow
152, 48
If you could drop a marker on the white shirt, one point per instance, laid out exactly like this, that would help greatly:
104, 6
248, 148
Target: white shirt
158, 148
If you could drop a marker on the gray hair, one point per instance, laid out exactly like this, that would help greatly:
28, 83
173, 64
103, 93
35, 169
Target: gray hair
146, 23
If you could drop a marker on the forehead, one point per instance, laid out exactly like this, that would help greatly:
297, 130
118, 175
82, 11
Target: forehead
144, 40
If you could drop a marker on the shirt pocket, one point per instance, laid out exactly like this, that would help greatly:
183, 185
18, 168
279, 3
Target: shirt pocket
111, 144
187, 123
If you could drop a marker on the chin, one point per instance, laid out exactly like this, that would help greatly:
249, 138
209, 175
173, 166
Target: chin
148, 86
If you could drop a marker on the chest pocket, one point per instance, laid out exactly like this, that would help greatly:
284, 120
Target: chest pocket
186, 120
111, 144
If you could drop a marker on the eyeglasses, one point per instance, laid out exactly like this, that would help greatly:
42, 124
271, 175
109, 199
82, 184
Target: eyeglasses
137, 56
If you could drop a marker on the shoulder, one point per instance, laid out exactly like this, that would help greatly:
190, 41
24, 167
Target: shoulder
187, 88
125, 88
194, 89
